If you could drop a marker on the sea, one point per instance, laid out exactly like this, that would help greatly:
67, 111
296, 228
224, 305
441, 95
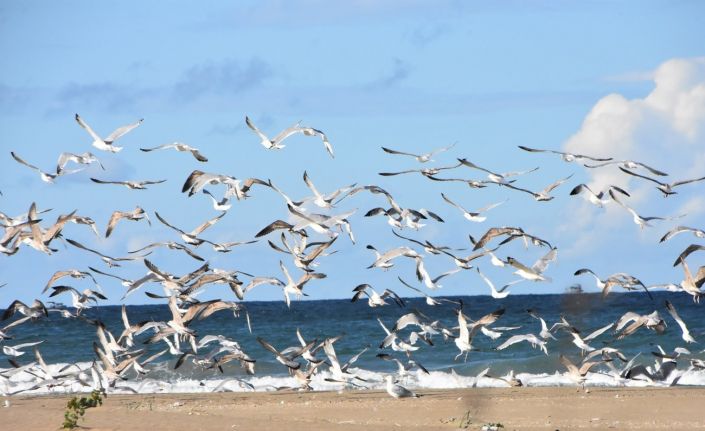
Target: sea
70, 341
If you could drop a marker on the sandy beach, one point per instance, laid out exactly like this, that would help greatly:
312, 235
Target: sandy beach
515, 408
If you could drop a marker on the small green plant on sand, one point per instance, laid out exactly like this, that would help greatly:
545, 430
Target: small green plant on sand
492, 426
76, 408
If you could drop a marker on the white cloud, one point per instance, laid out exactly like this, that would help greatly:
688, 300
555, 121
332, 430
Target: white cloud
664, 129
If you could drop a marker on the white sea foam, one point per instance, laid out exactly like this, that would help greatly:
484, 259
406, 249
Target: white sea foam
27, 383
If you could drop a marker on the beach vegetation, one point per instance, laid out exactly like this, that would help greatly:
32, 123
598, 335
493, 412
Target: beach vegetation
76, 408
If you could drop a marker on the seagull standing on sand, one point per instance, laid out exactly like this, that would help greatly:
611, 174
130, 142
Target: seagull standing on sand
398, 391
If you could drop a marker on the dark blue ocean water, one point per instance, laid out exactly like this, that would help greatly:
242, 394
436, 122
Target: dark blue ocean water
70, 340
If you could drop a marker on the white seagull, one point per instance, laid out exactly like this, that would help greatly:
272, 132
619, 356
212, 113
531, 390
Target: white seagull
398, 391
421, 158
107, 143
179, 146
276, 142
472, 216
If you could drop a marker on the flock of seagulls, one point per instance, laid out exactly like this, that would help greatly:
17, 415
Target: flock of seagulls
306, 231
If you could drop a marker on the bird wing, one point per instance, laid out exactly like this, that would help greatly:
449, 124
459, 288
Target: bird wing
117, 133
20, 160
627, 171
390, 151
88, 129
690, 249
556, 184
678, 183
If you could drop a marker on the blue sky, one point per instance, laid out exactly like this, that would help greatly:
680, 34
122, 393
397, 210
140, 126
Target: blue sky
408, 75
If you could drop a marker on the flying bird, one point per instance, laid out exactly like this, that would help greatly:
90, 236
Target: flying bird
134, 185
107, 143
421, 158
493, 176
629, 164
568, 157
665, 188
134, 215
680, 229
179, 146
596, 198
472, 216
46, 177
686, 333
543, 195
276, 142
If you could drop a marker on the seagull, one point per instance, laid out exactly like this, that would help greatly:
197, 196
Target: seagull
680, 229
318, 199
473, 184
545, 333
398, 391
421, 158
493, 176
619, 279
495, 232
16, 349
426, 172
297, 287
429, 299
639, 220
197, 180
596, 198
690, 249
134, 215
543, 195
690, 284
46, 177
74, 273
472, 216
535, 273
79, 300
629, 164
578, 340
374, 299
276, 143
567, 157
501, 294
37, 310
218, 205
110, 261
83, 159
392, 339
134, 185
179, 146
577, 374
403, 368
107, 143
191, 238
384, 260
686, 333
427, 245
531, 338
665, 188
650, 321
172, 245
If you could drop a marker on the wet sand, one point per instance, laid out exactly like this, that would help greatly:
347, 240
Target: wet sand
515, 408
